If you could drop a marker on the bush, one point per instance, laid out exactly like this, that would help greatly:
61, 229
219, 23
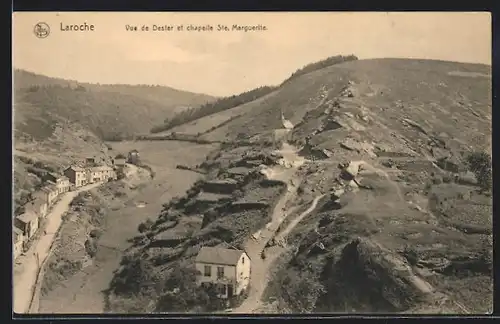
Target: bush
78, 200
91, 247
480, 164
437, 180
145, 226
447, 178
120, 174
95, 233
302, 290
182, 294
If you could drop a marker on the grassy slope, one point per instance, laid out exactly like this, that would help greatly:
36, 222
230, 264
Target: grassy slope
104, 109
455, 108
428, 93
54, 122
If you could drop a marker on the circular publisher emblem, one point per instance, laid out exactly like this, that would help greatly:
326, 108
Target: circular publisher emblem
41, 30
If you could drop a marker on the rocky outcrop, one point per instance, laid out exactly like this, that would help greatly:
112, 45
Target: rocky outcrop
314, 153
225, 186
352, 144
467, 178
204, 201
167, 240
451, 164
241, 205
382, 273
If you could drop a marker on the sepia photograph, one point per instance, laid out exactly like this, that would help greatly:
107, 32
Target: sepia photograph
252, 163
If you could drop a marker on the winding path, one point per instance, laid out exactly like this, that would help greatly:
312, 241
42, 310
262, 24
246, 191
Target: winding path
261, 267
297, 220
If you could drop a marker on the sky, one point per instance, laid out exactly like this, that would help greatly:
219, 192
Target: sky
229, 62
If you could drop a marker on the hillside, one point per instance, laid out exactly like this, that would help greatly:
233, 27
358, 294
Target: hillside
380, 213
109, 111
219, 109
57, 121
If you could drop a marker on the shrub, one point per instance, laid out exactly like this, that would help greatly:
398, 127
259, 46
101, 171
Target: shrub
78, 200
145, 226
437, 180
120, 174
91, 247
182, 294
447, 178
480, 164
95, 233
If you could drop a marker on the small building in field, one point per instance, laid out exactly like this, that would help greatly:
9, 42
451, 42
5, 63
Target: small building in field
76, 175
17, 241
227, 269
120, 160
28, 223
47, 193
37, 206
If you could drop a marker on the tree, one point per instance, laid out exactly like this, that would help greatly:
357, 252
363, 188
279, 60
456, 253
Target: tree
480, 164
182, 294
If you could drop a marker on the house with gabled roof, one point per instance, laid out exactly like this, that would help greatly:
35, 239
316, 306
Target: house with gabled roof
101, 173
226, 269
38, 205
28, 223
77, 175
60, 181
47, 193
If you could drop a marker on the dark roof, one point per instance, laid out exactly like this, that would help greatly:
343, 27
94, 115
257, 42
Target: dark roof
36, 203
27, 217
218, 255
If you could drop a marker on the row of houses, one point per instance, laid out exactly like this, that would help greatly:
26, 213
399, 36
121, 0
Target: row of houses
27, 224
84, 175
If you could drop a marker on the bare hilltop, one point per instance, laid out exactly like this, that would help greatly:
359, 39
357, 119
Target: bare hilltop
376, 199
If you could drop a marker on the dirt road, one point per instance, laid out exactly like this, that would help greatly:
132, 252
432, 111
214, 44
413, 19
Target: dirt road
26, 267
83, 292
254, 247
297, 220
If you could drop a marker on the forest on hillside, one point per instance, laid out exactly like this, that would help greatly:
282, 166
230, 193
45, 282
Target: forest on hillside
225, 103
210, 108
332, 60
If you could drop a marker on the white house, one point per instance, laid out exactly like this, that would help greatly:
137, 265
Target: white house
48, 193
228, 269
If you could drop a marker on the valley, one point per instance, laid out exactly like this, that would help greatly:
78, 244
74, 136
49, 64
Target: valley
360, 186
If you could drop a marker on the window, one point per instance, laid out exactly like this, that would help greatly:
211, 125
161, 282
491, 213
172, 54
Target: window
208, 271
220, 272
221, 289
